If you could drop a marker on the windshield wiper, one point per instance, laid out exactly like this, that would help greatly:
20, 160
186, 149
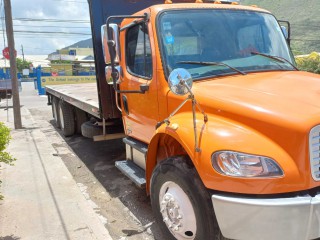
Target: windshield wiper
276, 58
213, 64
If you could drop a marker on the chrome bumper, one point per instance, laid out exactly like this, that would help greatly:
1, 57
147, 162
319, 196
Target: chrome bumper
258, 219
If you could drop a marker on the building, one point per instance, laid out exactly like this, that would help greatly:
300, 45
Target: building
36, 61
72, 61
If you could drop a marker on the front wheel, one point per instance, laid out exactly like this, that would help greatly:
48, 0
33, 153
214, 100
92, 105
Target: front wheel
181, 204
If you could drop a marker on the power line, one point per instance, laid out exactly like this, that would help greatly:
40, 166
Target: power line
45, 32
56, 26
49, 37
51, 20
39, 48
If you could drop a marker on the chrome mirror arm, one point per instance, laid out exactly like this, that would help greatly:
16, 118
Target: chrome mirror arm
195, 105
167, 120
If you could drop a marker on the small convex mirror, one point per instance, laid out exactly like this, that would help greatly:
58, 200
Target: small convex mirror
179, 79
108, 71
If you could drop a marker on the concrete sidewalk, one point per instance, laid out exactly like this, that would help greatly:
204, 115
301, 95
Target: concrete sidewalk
42, 201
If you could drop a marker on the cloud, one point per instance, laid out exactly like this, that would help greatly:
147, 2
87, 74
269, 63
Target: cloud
45, 43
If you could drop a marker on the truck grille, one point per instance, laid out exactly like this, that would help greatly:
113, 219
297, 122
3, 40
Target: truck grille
314, 147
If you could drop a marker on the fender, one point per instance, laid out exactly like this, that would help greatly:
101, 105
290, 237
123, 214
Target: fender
224, 134
153, 149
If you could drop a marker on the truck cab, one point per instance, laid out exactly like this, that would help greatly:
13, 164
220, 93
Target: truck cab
220, 123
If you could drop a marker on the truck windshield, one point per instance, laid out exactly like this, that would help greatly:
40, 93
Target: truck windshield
233, 37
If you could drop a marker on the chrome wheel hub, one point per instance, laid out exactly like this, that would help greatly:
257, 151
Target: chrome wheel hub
177, 211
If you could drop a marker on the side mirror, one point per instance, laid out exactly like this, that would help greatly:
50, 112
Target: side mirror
180, 81
108, 72
284, 31
115, 36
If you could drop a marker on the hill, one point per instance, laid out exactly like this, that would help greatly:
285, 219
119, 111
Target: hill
304, 18
81, 44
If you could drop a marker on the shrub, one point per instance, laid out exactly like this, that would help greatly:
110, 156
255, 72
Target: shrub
5, 157
310, 63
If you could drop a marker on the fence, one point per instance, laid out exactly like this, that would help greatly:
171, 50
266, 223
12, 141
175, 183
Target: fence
44, 79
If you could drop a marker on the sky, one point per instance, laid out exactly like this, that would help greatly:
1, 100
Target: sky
65, 21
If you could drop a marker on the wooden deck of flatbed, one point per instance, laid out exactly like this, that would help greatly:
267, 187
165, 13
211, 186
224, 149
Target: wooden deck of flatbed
83, 96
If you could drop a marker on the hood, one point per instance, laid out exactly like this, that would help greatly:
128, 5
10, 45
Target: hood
280, 98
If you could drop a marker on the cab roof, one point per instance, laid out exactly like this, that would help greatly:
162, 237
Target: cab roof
155, 9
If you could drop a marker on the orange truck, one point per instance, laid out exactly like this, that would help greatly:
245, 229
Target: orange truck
219, 125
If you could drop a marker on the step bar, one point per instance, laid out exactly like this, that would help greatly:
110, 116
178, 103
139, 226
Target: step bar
134, 165
133, 172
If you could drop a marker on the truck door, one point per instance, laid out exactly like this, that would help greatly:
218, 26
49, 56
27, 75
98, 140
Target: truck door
140, 111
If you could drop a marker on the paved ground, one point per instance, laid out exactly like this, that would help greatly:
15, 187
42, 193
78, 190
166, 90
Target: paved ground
42, 200
57, 170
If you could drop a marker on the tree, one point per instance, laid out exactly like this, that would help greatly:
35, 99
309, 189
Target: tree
310, 63
22, 64
5, 157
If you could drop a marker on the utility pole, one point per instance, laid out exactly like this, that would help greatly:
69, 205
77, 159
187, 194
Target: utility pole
22, 53
13, 66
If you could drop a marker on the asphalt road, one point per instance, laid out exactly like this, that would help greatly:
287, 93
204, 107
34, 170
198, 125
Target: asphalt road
124, 208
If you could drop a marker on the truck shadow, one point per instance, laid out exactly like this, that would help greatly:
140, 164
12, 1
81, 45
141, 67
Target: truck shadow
99, 158
12, 237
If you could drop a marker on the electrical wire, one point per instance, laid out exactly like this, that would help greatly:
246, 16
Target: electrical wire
46, 26
44, 32
49, 37
51, 20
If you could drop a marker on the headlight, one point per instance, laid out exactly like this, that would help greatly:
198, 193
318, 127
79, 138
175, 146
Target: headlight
238, 164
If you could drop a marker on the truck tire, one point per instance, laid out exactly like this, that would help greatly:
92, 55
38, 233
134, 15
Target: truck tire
181, 204
89, 130
67, 119
55, 111
81, 117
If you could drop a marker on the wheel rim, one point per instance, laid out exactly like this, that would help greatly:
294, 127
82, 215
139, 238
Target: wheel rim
177, 211
61, 118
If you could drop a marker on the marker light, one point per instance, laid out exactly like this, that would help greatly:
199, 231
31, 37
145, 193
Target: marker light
238, 164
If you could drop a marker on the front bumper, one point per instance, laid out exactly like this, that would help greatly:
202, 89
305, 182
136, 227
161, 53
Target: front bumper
278, 218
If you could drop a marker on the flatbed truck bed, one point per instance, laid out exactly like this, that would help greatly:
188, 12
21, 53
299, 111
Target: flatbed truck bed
83, 96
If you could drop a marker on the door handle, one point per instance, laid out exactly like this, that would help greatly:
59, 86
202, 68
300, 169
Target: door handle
125, 104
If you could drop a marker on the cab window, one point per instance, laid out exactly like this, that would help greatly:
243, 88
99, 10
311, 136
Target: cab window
138, 51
